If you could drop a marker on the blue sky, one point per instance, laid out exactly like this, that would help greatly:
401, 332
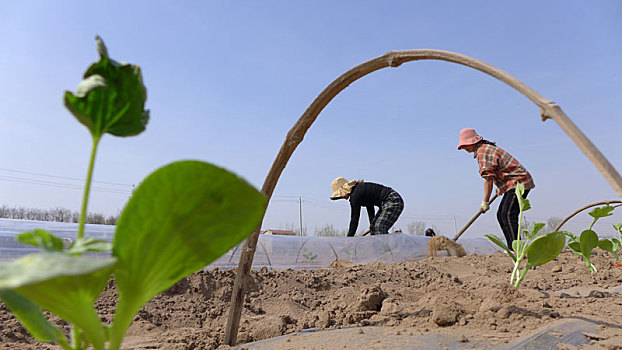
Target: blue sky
226, 80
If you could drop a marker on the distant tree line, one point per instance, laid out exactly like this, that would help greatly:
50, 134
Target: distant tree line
418, 228
57, 214
294, 228
330, 231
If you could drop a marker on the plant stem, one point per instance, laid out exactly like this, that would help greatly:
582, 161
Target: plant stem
514, 275
76, 340
87, 186
591, 267
592, 224
522, 275
514, 280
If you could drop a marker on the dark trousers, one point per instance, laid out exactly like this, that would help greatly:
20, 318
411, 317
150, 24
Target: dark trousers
388, 214
507, 215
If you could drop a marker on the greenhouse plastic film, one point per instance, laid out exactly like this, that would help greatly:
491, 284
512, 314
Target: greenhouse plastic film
273, 251
296, 252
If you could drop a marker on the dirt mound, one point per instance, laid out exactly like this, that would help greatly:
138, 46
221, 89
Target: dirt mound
469, 296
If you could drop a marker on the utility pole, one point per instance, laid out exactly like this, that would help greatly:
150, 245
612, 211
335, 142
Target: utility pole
455, 225
300, 210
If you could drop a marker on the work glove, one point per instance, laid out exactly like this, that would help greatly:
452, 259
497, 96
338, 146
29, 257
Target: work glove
484, 206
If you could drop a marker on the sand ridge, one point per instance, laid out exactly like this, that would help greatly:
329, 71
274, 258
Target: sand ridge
469, 297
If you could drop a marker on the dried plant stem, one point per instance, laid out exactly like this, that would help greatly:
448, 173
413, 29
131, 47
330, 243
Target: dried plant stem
584, 208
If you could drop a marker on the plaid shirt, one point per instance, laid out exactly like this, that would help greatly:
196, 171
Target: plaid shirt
504, 169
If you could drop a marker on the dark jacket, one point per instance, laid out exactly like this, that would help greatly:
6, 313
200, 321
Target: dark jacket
368, 195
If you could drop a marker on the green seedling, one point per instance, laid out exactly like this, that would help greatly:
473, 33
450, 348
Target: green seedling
584, 244
181, 218
309, 256
617, 242
612, 245
351, 253
608, 246
537, 249
110, 99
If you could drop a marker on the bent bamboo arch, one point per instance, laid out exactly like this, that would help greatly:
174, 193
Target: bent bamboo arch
587, 207
548, 110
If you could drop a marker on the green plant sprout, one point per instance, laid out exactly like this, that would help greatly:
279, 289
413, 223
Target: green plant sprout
617, 242
309, 256
608, 245
182, 217
584, 244
612, 245
351, 253
537, 249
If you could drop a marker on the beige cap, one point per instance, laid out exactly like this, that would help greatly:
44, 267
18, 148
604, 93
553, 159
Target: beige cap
341, 187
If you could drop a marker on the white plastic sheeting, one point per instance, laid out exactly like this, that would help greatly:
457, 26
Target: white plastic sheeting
296, 252
273, 251
10, 249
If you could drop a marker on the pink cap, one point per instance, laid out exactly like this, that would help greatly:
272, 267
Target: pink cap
468, 137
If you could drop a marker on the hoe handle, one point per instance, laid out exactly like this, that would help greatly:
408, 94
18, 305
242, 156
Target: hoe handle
479, 212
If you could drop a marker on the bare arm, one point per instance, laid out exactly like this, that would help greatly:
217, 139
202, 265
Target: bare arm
354, 219
487, 188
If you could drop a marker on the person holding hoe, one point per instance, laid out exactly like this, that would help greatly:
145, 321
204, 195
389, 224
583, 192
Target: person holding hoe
368, 195
499, 167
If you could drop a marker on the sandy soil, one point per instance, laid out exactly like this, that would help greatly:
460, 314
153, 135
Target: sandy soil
469, 297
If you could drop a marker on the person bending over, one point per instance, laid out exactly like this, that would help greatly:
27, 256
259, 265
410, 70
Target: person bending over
369, 195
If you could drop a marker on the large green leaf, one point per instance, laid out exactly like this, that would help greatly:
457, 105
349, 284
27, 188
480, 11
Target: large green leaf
545, 248
111, 98
182, 217
589, 241
31, 317
64, 285
41, 239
